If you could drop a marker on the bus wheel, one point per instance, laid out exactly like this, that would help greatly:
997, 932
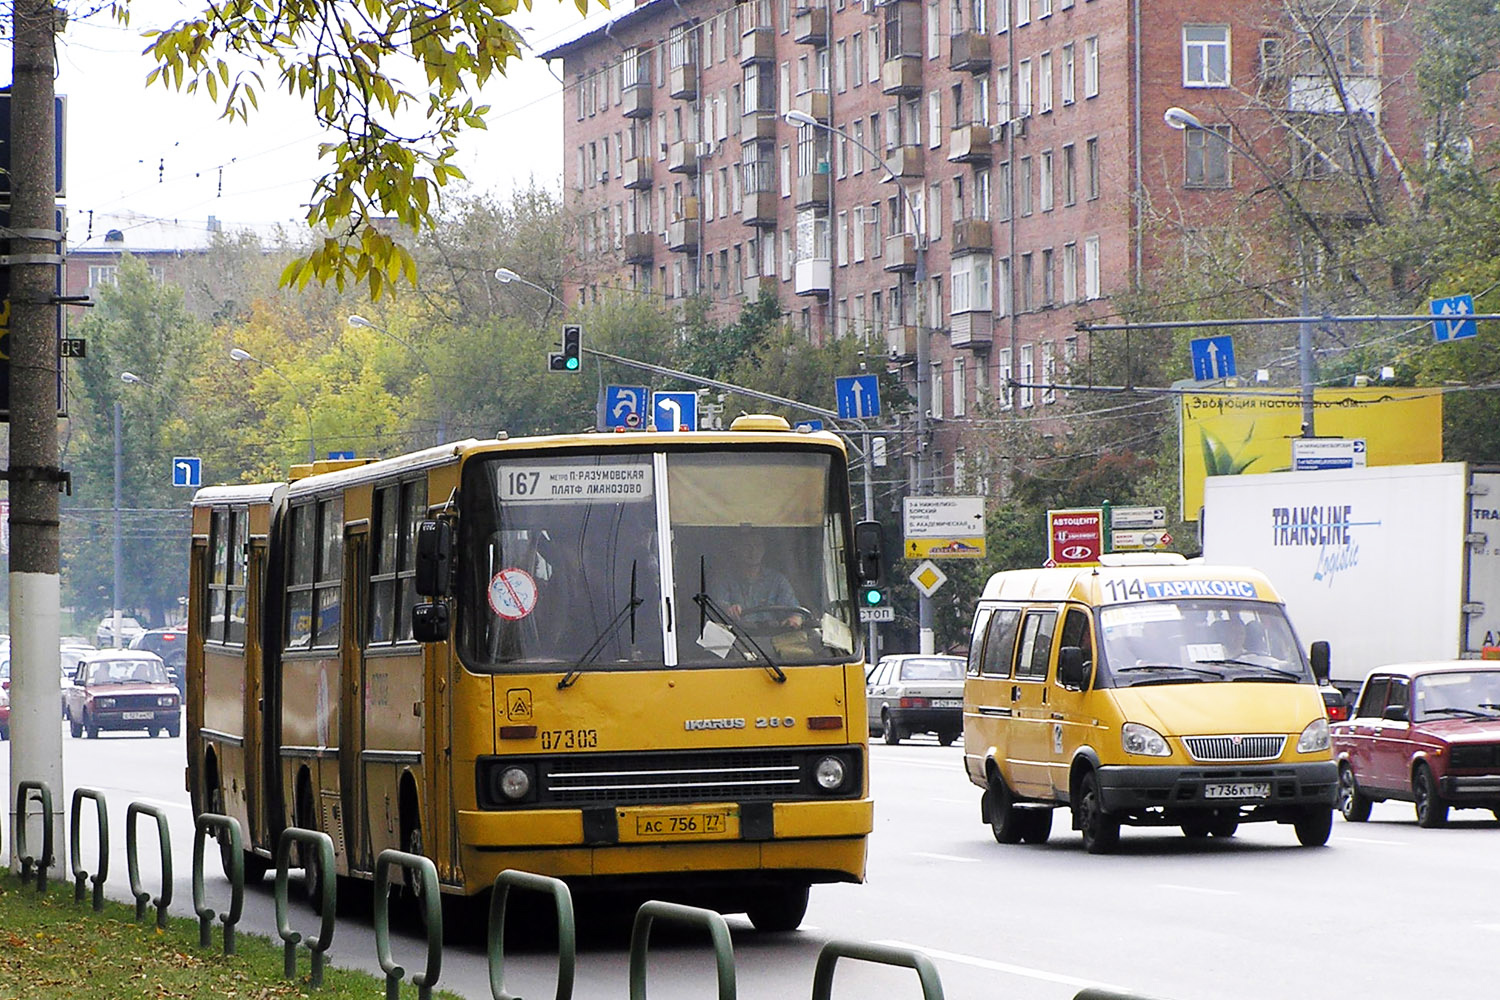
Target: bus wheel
778, 909
1006, 821
1101, 831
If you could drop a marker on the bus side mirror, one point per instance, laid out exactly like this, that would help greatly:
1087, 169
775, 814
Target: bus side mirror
1319, 656
434, 558
429, 621
1072, 672
869, 549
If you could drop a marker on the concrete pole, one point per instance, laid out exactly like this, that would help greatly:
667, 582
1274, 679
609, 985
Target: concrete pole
871, 653
926, 639
35, 477
119, 559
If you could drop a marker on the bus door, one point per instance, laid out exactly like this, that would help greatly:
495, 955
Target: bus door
352, 739
251, 605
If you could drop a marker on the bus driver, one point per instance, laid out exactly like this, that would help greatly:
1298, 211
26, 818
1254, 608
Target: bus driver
758, 585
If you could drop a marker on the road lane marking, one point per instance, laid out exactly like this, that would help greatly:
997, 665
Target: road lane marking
1343, 837
1196, 888
946, 857
956, 802
1015, 970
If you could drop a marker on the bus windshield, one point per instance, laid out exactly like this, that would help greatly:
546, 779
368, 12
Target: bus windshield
708, 557
1187, 641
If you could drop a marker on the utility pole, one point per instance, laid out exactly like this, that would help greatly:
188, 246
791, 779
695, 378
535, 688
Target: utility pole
35, 478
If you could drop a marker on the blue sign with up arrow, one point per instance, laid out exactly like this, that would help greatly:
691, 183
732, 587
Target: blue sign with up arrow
1456, 328
858, 396
1213, 358
187, 472
674, 411
625, 406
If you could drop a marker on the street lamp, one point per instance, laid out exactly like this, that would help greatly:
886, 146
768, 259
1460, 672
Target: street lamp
240, 355
442, 410
1183, 120
505, 276
924, 375
119, 560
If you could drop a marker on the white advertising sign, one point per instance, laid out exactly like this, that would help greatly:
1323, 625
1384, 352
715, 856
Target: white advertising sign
942, 517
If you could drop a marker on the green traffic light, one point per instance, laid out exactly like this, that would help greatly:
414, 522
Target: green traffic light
572, 364
872, 597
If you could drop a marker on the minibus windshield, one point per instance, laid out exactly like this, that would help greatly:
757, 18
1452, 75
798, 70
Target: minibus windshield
1196, 641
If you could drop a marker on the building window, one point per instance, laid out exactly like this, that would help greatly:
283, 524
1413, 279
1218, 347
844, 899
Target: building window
1069, 175
1023, 89
1005, 372
1207, 156
1044, 83
1002, 287
1049, 372
960, 400
1205, 55
1025, 186
1023, 303
1023, 12
1326, 145
1049, 287
1005, 193
1028, 377
970, 280
1091, 66
1070, 272
937, 390
1066, 74
103, 274
1091, 268
1091, 155
1044, 179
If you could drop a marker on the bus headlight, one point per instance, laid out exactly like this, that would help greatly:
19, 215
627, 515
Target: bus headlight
1314, 737
515, 783
829, 773
1140, 739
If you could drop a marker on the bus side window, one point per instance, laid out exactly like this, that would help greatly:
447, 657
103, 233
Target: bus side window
1036, 645
1076, 632
1000, 643
976, 640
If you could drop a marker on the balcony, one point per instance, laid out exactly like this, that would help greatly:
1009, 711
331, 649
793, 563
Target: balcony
682, 235
902, 76
901, 341
905, 163
969, 144
901, 252
813, 190
639, 248
757, 125
758, 208
756, 288
635, 100
682, 158
757, 45
969, 52
810, 26
971, 236
814, 103
814, 276
972, 330
682, 81
638, 173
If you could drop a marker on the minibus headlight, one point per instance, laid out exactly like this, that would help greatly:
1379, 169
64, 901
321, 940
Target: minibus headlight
1139, 739
829, 773
1314, 737
515, 783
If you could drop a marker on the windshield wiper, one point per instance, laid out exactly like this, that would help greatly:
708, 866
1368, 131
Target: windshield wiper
709, 610
1472, 713
1171, 666
1278, 671
607, 633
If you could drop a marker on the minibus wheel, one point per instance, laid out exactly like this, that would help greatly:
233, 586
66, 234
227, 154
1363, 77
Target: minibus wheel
1007, 823
1101, 831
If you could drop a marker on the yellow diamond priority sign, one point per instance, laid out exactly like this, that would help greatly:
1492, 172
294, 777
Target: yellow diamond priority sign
928, 577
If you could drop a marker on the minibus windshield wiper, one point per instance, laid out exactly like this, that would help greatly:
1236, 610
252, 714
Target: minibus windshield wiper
605, 634
1294, 675
1185, 668
709, 610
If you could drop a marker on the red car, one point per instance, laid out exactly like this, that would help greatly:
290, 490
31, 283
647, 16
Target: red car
1426, 733
122, 689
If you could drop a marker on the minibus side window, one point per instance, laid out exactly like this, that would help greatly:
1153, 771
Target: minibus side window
1036, 645
976, 640
1076, 632
1000, 643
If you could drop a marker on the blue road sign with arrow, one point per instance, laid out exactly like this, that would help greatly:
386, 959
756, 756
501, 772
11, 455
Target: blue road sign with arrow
187, 472
625, 406
673, 411
1457, 328
1213, 358
858, 396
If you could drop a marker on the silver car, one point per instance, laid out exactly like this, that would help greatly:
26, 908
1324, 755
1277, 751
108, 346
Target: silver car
910, 693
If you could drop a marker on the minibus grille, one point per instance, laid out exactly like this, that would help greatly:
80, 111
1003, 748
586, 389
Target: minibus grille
1235, 747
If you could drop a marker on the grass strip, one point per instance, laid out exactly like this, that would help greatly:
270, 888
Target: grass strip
51, 947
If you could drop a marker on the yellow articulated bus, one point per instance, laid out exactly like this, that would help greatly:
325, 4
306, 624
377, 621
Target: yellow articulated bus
628, 660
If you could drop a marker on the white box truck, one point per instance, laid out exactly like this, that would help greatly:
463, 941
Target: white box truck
1388, 564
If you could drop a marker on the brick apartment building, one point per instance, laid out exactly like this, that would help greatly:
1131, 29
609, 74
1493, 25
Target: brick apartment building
1026, 135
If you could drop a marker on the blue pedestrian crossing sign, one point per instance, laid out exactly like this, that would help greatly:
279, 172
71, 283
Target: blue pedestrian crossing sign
1213, 358
858, 396
1457, 327
187, 472
674, 411
625, 407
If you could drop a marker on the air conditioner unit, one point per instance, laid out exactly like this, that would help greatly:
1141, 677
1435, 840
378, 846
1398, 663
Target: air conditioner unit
1020, 124
604, 177
997, 132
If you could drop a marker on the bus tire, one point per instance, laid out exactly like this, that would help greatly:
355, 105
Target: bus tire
778, 909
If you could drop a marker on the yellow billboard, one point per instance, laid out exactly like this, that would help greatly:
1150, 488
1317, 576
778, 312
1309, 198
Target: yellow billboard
1249, 430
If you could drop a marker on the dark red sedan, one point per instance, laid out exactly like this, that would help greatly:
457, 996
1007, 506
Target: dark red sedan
1425, 733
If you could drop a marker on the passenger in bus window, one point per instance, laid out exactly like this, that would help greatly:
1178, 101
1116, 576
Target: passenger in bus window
757, 586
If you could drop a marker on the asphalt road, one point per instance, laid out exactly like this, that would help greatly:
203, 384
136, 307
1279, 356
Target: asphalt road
1386, 910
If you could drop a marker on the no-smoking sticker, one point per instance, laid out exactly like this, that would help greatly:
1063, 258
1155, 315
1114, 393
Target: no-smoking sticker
512, 594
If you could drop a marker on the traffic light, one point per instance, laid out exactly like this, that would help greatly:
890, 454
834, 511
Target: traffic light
570, 358
871, 596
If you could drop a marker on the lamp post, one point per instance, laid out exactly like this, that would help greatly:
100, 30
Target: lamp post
118, 547
1184, 120
505, 276
442, 409
237, 354
924, 374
